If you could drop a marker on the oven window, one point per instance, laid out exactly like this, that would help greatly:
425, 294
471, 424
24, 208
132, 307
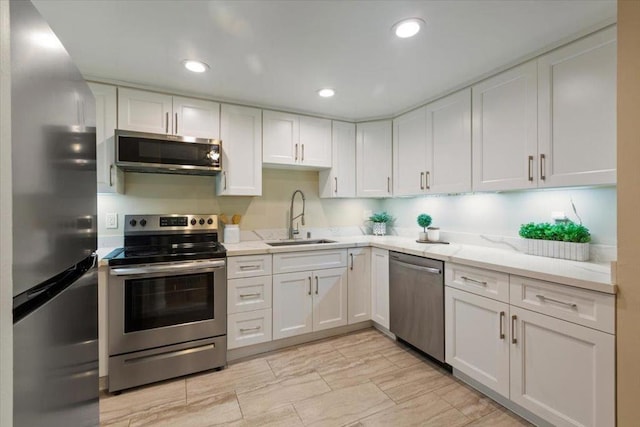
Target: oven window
165, 301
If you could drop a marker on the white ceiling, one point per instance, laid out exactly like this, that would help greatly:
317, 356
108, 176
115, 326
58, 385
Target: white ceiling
278, 53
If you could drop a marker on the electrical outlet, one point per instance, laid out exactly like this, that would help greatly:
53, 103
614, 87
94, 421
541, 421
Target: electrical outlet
111, 220
558, 216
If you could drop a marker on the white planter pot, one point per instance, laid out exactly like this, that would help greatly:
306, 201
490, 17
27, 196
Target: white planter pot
554, 249
379, 228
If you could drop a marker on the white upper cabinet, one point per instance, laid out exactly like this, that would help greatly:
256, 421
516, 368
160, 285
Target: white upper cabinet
153, 112
289, 139
373, 159
195, 117
241, 133
110, 178
577, 112
432, 148
505, 130
340, 180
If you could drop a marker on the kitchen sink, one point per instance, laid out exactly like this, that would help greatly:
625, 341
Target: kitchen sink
300, 242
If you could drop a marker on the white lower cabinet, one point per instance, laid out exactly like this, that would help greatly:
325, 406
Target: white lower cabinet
309, 301
359, 284
380, 286
562, 371
477, 338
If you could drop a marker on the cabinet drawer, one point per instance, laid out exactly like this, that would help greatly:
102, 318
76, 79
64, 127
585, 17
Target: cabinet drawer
290, 262
248, 266
487, 283
593, 309
248, 328
252, 293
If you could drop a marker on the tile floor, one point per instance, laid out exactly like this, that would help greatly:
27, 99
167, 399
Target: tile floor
360, 379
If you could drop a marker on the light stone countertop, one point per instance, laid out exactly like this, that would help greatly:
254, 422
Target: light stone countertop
586, 275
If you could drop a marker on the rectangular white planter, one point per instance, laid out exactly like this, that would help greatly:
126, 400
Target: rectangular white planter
554, 249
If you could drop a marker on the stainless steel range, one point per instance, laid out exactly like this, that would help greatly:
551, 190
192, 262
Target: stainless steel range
167, 300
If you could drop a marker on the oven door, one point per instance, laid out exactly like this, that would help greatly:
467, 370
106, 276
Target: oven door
154, 305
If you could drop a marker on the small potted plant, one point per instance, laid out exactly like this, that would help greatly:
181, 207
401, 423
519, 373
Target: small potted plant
380, 221
566, 240
424, 221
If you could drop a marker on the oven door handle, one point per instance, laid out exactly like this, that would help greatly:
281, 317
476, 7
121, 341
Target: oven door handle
183, 267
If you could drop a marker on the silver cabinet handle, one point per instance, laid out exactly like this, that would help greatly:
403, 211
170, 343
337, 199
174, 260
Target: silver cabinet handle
302, 156
530, 168
254, 294
502, 314
542, 166
568, 304
514, 319
309, 293
388, 185
469, 279
336, 179
316, 285
246, 267
421, 180
111, 175
224, 175
428, 181
296, 156
249, 329
351, 261
166, 126
176, 123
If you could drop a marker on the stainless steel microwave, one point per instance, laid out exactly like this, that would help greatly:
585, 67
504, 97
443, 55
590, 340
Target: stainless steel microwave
156, 153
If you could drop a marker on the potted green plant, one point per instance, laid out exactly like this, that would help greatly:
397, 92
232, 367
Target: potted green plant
424, 221
566, 240
380, 221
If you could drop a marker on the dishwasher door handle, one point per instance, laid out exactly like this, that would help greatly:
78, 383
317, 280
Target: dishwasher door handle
430, 270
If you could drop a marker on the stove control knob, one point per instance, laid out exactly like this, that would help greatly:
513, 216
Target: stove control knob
201, 221
143, 222
133, 223
209, 221
193, 221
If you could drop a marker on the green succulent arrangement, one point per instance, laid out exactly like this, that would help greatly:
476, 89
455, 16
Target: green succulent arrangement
563, 232
380, 217
424, 221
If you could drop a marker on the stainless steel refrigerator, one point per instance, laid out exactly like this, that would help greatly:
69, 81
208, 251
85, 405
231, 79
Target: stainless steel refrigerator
54, 230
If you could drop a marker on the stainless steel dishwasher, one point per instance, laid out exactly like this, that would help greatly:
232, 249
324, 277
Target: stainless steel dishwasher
416, 302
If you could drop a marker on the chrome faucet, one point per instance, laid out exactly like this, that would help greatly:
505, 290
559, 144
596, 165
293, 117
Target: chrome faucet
293, 232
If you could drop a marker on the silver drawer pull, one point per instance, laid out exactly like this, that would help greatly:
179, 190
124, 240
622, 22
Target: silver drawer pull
468, 279
502, 314
255, 294
249, 329
246, 267
568, 304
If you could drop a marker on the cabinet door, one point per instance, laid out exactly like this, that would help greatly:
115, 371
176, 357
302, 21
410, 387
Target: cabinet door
315, 142
359, 284
505, 144
110, 178
196, 117
373, 159
340, 180
280, 133
380, 286
449, 143
563, 372
248, 328
241, 134
143, 111
477, 339
410, 153
577, 112
292, 304
329, 298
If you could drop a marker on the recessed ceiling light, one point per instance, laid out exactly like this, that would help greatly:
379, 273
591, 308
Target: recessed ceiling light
195, 66
326, 93
407, 27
